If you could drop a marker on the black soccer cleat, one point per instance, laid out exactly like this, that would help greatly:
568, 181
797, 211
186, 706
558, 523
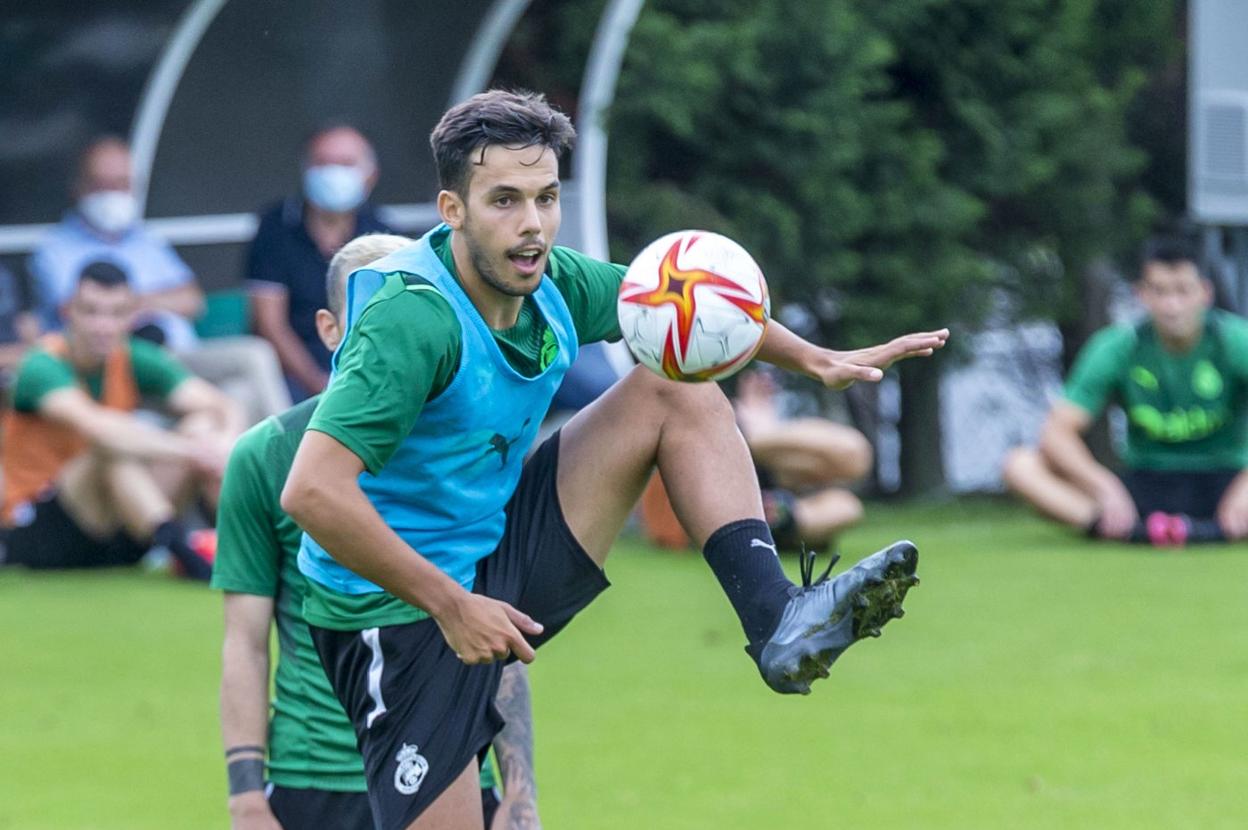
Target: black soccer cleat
827, 616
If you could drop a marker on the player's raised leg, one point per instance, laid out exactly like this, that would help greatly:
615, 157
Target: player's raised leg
458, 807
606, 454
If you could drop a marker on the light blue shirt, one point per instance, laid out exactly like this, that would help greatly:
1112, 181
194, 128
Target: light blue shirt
149, 262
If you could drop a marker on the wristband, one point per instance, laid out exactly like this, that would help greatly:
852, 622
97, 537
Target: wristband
246, 775
235, 750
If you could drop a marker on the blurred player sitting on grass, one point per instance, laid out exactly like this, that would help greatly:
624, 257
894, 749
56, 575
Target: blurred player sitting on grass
434, 551
315, 774
804, 465
1181, 376
86, 482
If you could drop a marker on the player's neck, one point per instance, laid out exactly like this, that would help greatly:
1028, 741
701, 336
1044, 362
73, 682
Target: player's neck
83, 361
499, 311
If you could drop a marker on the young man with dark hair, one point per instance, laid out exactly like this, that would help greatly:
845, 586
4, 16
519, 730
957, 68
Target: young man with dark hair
315, 777
86, 483
434, 551
1181, 376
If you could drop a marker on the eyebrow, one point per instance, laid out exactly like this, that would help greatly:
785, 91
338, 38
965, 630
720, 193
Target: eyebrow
509, 188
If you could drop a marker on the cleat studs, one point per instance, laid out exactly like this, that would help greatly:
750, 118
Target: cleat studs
898, 613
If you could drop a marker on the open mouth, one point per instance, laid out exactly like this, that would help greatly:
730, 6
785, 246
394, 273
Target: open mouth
528, 260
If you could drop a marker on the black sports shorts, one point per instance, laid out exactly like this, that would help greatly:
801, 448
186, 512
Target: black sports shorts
50, 538
1195, 494
420, 714
305, 809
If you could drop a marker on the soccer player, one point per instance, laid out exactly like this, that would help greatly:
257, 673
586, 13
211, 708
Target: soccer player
1181, 376
87, 482
434, 551
315, 775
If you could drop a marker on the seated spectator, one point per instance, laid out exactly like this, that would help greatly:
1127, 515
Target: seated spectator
86, 482
804, 466
1181, 377
104, 225
291, 251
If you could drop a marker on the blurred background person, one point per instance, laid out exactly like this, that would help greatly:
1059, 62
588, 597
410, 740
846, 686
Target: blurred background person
86, 482
292, 248
104, 225
1181, 376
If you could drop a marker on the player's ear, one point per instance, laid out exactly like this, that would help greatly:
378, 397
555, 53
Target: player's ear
451, 208
327, 328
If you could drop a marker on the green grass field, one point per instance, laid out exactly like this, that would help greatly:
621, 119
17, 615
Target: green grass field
1037, 681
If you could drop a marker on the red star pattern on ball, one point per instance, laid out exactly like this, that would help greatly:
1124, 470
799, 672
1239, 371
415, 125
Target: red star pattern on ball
677, 287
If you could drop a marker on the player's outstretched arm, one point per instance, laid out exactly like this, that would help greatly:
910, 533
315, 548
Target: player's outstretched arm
245, 708
514, 749
323, 496
839, 370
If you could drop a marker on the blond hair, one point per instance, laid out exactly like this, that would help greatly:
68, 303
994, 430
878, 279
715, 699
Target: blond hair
355, 255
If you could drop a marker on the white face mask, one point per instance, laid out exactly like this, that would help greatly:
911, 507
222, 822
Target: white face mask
109, 211
337, 188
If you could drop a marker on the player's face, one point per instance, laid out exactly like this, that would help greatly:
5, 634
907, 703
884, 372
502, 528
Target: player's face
511, 216
106, 168
99, 318
1176, 297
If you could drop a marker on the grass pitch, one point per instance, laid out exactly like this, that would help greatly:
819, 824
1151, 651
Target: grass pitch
1037, 681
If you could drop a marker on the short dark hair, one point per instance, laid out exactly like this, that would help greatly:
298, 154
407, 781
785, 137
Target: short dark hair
102, 272
1169, 250
497, 117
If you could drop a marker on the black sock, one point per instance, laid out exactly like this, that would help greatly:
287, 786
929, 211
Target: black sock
172, 536
1139, 533
743, 557
1204, 530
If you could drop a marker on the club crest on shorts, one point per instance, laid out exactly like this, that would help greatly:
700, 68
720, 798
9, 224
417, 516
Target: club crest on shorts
411, 771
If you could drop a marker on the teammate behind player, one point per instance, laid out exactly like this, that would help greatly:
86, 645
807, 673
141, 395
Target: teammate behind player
1181, 376
315, 775
433, 548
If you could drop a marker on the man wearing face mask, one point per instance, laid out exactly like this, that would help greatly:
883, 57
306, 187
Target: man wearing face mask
104, 226
287, 261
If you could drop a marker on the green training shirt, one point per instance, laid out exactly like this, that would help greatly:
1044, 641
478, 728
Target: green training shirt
156, 373
1185, 411
311, 742
404, 350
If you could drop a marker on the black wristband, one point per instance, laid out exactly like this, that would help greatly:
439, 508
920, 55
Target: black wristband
235, 750
246, 775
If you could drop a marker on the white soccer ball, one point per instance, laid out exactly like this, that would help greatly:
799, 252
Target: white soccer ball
693, 306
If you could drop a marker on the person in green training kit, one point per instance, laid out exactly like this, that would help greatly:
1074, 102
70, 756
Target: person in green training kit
437, 547
1181, 376
315, 774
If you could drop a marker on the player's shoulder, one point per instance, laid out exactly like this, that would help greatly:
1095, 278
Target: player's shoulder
411, 302
1116, 340
1229, 324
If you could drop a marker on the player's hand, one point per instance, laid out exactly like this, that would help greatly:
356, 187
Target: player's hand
516, 812
839, 370
1118, 513
481, 630
250, 811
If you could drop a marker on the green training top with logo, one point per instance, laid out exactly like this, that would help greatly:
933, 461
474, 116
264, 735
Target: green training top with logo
403, 351
311, 742
1185, 411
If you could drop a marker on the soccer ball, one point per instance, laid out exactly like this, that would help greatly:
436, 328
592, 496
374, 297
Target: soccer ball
693, 306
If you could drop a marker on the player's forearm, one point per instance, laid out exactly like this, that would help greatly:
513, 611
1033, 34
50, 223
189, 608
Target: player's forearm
1067, 452
783, 348
341, 519
513, 746
244, 694
127, 436
293, 356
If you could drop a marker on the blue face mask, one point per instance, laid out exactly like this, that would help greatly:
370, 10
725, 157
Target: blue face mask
336, 188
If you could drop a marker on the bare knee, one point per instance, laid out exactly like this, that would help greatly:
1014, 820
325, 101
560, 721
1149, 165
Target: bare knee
857, 457
1019, 467
690, 402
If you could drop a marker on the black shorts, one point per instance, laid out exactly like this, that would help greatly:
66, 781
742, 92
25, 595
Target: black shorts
1195, 494
304, 809
50, 538
419, 713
